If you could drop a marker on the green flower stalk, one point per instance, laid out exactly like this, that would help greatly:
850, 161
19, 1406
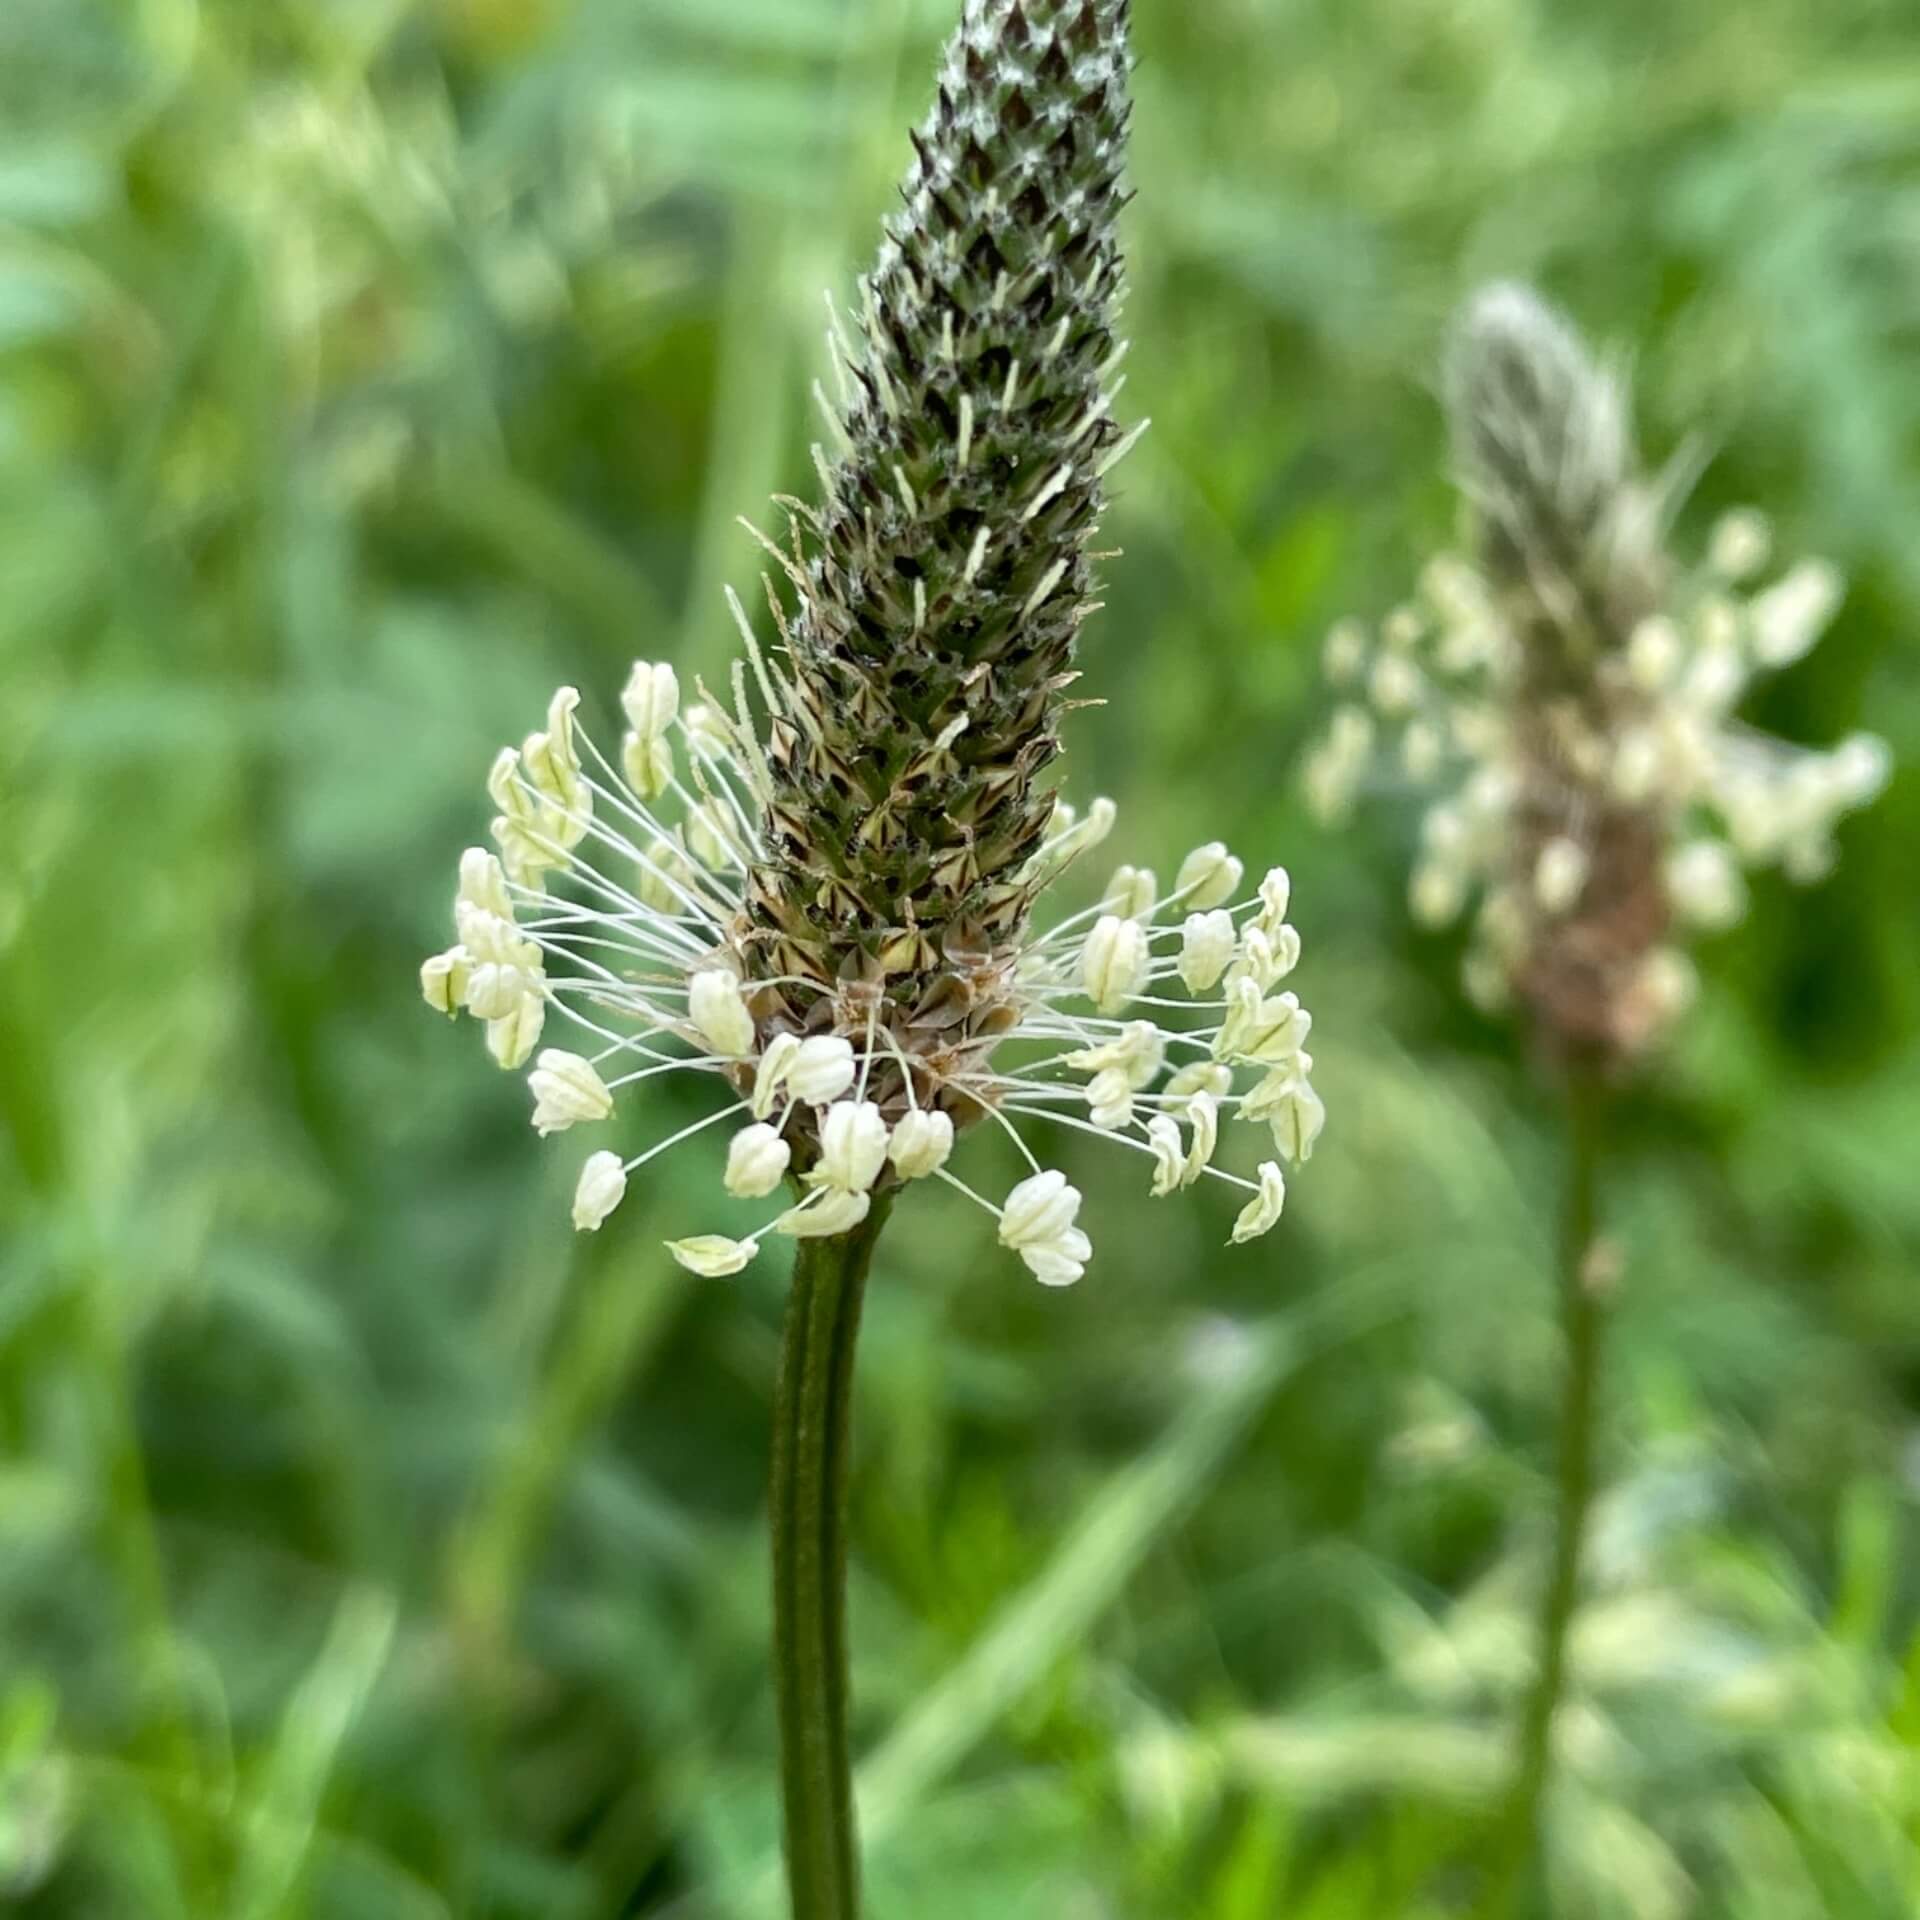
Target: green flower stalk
819, 893
1570, 688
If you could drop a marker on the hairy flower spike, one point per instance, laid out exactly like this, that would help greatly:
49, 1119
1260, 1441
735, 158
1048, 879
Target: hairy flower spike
818, 895
1569, 689
934, 636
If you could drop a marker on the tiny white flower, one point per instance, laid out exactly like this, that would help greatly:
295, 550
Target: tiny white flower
717, 1010
712, 1256
603, 1185
1061, 1261
567, 1092
1266, 959
1209, 877
1131, 893
824, 1213
1262, 1213
1206, 948
1115, 962
853, 1147
1203, 1117
757, 1161
1040, 1208
921, 1144
822, 1070
444, 980
1203, 1076
1560, 875
770, 1076
551, 765
1268, 1031
651, 698
1169, 1159
1287, 1102
1110, 1099
1139, 1050
647, 761
483, 884
512, 1038
1276, 895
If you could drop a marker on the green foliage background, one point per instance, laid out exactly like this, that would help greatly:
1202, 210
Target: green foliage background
371, 1548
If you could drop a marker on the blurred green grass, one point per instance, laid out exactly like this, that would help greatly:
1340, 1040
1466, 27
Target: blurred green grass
370, 1548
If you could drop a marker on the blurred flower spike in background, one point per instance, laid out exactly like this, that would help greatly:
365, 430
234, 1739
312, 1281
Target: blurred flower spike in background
1568, 691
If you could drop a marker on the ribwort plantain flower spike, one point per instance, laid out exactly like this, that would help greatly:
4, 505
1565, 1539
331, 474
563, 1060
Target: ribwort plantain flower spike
819, 893
1567, 690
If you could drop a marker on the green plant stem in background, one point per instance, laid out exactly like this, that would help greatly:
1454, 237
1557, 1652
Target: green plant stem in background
812, 1412
1582, 1328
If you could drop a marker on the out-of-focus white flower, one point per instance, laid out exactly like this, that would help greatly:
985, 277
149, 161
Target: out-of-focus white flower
1560, 875
1344, 657
1704, 884
603, 1185
1740, 544
1789, 617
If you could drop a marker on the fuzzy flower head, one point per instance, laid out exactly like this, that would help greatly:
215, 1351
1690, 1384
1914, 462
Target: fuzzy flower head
823, 894
1566, 693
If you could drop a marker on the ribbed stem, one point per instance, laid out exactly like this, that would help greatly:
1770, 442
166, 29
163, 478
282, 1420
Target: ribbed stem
811, 1419
1583, 1319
